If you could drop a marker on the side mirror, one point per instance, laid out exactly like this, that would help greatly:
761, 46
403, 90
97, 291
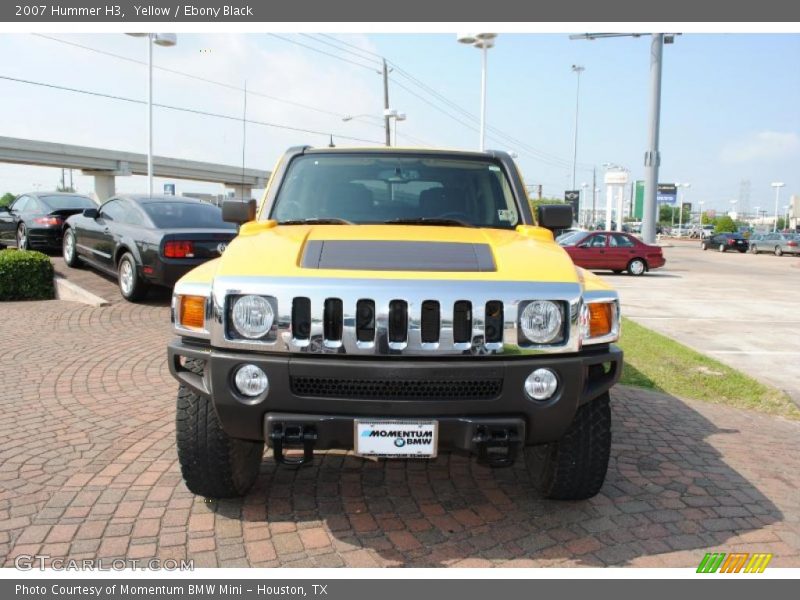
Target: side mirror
554, 216
236, 211
91, 213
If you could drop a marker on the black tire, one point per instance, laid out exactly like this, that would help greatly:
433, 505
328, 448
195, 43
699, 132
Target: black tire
637, 267
213, 464
133, 289
703, 246
574, 467
778, 251
742, 250
69, 250
722, 248
23, 243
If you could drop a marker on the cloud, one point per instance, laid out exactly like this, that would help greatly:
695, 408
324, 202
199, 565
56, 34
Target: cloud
762, 146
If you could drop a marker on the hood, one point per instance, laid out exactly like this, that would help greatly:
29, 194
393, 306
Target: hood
396, 252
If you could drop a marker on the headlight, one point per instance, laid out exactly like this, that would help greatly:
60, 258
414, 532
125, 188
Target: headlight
252, 316
541, 321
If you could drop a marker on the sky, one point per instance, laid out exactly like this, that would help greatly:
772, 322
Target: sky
730, 103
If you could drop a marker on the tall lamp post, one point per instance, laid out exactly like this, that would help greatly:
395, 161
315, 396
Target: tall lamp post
777, 185
165, 40
483, 41
700, 220
684, 186
581, 200
577, 69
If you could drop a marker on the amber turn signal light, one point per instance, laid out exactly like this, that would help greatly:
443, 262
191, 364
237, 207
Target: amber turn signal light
601, 318
192, 312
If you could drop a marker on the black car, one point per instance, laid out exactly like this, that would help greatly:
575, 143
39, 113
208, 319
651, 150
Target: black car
725, 241
145, 240
36, 220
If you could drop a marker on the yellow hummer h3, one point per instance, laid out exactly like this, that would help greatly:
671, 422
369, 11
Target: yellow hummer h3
398, 303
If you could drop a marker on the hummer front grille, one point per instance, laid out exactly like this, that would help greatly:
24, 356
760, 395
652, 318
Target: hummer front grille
396, 316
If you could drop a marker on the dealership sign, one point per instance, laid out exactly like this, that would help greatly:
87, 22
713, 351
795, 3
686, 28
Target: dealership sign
667, 193
573, 198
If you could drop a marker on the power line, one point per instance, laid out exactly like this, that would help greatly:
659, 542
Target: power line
347, 60
193, 76
343, 42
185, 109
339, 48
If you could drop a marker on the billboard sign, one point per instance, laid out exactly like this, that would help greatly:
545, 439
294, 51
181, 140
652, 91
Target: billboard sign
667, 193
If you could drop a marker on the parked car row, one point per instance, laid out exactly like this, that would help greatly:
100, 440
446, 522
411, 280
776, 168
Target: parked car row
774, 243
140, 240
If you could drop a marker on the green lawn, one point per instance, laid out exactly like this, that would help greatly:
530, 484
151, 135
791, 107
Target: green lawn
657, 362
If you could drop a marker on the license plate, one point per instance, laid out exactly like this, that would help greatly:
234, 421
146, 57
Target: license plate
396, 438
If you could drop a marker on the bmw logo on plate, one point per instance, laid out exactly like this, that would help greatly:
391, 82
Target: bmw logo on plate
221, 247
399, 442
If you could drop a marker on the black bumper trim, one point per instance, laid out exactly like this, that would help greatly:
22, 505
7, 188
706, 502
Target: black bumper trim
582, 377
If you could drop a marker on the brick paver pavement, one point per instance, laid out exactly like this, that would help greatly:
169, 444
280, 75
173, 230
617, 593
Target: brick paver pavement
88, 469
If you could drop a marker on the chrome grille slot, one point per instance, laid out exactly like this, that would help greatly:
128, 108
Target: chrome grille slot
462, 325
493, 322
431, 322
365, 321
301, 321
398, 324
332, 323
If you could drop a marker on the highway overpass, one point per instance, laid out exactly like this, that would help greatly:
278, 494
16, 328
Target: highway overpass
106, 165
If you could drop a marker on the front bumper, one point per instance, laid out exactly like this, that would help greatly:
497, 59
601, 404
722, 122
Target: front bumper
492, 392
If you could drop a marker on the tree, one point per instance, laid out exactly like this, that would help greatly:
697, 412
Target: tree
7, 199
665, 214
724, 224
705, 219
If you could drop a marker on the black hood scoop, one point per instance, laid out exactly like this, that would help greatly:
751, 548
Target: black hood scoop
379, 255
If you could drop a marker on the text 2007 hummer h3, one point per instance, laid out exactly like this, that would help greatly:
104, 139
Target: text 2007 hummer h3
398, 303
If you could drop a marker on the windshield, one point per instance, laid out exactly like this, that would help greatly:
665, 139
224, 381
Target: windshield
571, 239
370, 188
180, 215
67, 202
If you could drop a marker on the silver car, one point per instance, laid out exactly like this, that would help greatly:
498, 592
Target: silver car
777, 243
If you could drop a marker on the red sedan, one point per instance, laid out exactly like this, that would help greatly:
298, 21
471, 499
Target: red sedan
612, 251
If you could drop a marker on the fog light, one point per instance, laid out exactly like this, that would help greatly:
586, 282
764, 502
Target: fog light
251, 381
541, 384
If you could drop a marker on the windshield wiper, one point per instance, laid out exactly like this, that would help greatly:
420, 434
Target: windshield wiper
326, 221
430, 221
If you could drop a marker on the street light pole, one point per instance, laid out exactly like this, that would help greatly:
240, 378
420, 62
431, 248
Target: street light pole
777, 185
161, 39
577, 69
482, 41
680, 207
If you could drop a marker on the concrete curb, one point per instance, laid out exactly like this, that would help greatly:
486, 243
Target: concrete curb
66, 290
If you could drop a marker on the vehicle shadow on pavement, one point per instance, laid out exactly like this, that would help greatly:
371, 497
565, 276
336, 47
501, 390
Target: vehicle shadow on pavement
668, 490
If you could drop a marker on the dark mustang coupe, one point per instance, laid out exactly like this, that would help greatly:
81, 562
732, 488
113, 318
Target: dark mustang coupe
36, 220
146, 240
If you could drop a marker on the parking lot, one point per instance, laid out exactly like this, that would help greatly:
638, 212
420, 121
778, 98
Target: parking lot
88, 466
738, 308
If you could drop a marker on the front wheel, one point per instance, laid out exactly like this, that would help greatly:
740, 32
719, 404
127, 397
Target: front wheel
68, 249
704, 246
721, 248
574, 467
778, 251
131, 285
213, 464
637, 267
753, 249
22, 238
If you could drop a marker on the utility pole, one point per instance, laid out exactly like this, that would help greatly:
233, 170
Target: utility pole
386, 103
652, 158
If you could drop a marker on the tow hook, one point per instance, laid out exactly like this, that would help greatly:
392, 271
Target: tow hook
290, 437
497, 446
